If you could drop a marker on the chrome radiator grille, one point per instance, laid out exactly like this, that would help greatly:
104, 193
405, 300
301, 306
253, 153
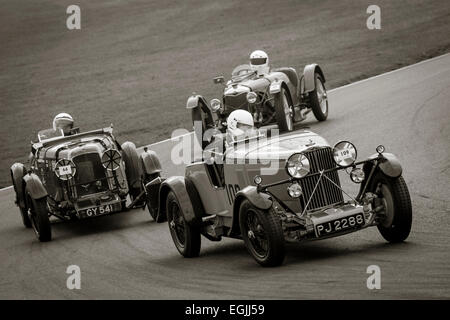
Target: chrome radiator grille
326, 193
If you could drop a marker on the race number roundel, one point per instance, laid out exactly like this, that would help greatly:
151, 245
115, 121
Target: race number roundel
344, 153
65, 169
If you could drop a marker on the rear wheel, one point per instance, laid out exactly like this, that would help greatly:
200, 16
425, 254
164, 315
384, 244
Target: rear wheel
262, 234
185, 237
38, 214
319, 99
284, 112
396, 218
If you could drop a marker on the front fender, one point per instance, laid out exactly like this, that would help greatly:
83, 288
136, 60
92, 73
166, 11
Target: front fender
195, 101
18, 171
34, 186
390, 165
177, 185
150, 162
309, 83
260, 200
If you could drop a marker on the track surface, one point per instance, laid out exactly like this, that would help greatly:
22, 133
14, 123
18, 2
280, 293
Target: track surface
130, 256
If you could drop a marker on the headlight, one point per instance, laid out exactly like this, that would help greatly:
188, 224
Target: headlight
65, 169
257, 180
344, 153
380, 148
294, 190
215, 105
252, 97
111, 159
297, 165
357, 175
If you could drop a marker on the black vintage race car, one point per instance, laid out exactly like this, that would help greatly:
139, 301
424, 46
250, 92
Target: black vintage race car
82, 175
279, 96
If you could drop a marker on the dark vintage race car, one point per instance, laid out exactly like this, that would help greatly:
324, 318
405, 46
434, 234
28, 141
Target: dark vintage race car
302, 199
280, 97
80, 176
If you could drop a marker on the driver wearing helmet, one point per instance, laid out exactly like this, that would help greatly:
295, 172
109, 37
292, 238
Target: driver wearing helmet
239, 125
259, 62
63, 121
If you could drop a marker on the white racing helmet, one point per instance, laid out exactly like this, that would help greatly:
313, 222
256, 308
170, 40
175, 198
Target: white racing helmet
63, 121
239, 123
259, 62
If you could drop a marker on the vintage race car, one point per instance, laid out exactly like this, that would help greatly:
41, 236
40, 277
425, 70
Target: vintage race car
80, 176
280, 96
301, 198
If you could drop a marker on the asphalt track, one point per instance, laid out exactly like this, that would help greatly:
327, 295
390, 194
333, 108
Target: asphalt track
130, 256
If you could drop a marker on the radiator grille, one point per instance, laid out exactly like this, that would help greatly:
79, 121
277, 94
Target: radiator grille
89, 170
238, 101
326, 193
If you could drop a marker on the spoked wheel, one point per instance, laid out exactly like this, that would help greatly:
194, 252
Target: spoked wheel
396, 217
185, 237
262, 234
39, 218
284, 111
319, 99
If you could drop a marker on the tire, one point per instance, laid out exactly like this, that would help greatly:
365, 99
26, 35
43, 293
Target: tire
262, 234
39, 219
185, 237
23, 211
203, 114
318, 99
394, 195
132, 169
283, 110
152, 198
25, 219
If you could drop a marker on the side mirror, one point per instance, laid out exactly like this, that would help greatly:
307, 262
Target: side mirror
219, 80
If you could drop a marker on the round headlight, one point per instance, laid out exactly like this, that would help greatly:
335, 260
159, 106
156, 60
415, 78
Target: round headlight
357, 175
215, 105
380, 149
344, 154
257, 180
65, 169
297, 165
111, 159
294, 190
252, 97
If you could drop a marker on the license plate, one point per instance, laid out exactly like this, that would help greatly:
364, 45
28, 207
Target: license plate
355, 221
97, 211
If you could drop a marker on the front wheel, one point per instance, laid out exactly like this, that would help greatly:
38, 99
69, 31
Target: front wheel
396, 217
185, 237
284, 112
262, 234
39, 218
319, 99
